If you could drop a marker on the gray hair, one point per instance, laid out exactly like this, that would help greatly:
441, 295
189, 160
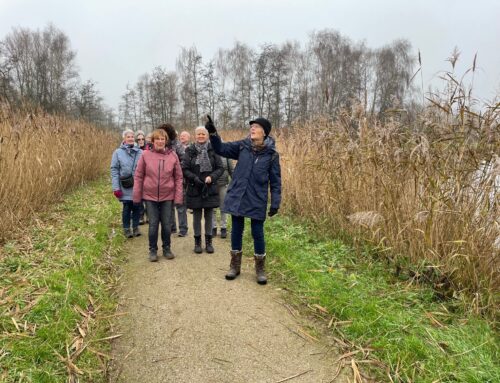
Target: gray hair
139, 132
127, 131
201, 128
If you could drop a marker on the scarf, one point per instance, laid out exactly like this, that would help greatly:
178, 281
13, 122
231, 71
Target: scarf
202, 158
258, 147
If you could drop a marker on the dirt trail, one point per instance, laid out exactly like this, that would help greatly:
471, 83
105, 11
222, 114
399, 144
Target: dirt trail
186, 323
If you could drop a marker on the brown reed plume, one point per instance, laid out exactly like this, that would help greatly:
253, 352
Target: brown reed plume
41, 157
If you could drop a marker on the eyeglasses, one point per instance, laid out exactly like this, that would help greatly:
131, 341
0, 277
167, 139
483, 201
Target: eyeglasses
140, 139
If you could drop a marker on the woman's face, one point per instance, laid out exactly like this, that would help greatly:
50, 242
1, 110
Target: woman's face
256, 132
201, 136
140, 140
160, 143
129, 139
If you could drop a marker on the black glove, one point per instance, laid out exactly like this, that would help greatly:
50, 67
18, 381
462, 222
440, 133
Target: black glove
210, 125
272, 211
198, 182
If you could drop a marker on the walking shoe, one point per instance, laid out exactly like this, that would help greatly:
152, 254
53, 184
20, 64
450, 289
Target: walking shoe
173, 230
223, 232
128, 233
153, 256
136, 232
167, 253
182, 234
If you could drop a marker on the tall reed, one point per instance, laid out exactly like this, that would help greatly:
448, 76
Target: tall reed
41, 157
424, 193
427, 193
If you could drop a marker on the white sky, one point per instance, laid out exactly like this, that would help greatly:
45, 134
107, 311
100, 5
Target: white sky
119, 40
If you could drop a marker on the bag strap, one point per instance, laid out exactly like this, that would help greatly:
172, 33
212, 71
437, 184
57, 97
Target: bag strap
135, 156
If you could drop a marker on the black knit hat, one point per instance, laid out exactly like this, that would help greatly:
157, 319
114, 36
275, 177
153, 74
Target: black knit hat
266, 125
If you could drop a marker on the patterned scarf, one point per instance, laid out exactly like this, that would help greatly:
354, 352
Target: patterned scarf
202, 158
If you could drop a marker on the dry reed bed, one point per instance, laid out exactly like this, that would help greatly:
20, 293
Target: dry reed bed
41, 157
425, 193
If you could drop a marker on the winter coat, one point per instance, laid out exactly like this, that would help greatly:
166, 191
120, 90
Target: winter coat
228, 172
198, 196
124, 163
254, 174
158, 177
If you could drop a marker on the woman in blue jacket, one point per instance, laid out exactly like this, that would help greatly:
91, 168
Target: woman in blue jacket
123, 164
257, 171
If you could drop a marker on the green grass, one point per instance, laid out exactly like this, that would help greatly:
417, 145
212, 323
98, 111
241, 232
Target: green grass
417, 337
61, 268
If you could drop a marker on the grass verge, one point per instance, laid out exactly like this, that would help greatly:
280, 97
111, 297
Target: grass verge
396, 330
55, 291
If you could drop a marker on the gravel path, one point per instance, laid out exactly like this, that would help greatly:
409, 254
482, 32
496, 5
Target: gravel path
186, 323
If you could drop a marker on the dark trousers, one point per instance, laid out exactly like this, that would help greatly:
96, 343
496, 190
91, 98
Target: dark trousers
130, 211
197, 213
238, 226
159, 212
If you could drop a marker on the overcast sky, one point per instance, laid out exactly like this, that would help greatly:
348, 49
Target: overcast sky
119, 40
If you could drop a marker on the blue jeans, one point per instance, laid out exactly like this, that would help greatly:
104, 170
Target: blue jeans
259, 245
182, 216
130, 211
159, 212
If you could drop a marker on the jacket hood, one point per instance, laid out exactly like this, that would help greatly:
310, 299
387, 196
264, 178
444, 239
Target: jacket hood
125, 147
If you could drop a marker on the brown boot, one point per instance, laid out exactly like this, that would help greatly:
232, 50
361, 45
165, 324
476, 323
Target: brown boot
235, 266
260, 260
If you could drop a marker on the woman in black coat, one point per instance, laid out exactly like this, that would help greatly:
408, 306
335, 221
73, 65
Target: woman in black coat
202, 168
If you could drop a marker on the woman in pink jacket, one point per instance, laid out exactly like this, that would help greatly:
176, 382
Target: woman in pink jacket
158, 181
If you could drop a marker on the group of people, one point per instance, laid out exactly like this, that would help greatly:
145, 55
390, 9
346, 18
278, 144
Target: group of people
161, 173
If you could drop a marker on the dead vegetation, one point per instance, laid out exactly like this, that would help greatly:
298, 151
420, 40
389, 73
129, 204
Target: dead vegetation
43, 156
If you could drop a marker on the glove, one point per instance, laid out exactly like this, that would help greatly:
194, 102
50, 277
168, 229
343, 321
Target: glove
210, 125
118, 193
198, 182
272, 211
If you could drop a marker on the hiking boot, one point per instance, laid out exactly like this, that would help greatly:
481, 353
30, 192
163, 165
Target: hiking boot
208, 244
214, 232
235, 265
197, 244
223, 232
260, 260
182, 234
167, 253
136, 232
153, 256
128, 233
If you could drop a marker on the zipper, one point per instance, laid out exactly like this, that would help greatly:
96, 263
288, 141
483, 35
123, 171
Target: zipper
158, 198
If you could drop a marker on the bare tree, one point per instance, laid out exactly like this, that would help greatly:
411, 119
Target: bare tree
189, 67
